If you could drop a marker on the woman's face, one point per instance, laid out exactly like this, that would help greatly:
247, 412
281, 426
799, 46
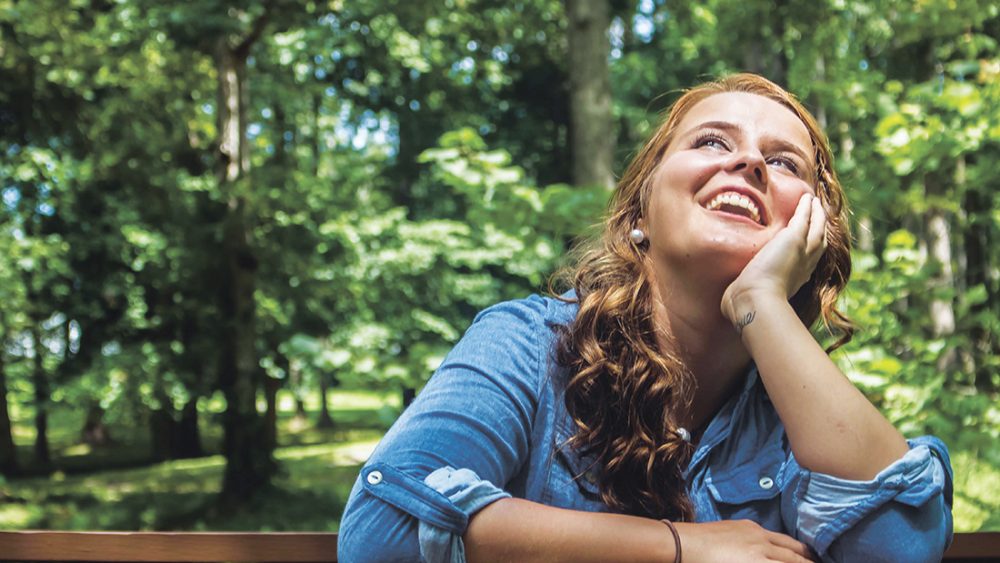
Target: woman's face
728, 182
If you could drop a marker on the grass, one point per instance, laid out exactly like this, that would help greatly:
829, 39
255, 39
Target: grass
318, 468
117, 488
308, 495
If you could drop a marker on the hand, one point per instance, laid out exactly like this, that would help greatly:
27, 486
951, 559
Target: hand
785, 263
738, 540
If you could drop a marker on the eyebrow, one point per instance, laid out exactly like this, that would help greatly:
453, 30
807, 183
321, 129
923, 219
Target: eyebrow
781, 144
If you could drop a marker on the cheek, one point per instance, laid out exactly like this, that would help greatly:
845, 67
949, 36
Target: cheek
787, 199
684, 172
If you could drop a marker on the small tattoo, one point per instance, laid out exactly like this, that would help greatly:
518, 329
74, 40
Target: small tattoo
747, 319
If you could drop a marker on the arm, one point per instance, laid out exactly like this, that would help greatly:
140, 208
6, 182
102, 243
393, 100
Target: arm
519, 530
903, 514
452, 450
831, 426
433, 488
861, 492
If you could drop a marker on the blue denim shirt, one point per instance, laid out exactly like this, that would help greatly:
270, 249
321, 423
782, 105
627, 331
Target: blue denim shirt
491, 423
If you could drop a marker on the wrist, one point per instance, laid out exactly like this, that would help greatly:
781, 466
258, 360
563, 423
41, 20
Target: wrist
675, 536
740, 305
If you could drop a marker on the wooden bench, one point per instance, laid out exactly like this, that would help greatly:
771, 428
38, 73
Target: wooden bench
271, 546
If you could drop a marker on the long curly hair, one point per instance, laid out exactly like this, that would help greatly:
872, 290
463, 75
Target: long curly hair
624, 388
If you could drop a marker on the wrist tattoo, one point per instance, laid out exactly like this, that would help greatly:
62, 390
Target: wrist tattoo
744, 321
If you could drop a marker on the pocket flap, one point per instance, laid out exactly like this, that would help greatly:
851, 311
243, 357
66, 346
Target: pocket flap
759, 479
582, 469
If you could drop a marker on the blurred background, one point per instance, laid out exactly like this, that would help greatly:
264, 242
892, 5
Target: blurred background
237, 237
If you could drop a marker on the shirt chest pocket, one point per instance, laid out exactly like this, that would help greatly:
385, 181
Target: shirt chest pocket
750, 489
572, 479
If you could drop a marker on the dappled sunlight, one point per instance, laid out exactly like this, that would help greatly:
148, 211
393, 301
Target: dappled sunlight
78, 450
317, 470
236, 229
977, 493
18, 516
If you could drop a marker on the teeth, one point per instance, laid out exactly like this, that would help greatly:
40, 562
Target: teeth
737, 200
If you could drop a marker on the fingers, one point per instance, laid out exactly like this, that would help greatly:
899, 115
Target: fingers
791, 544
799, 223
816, 238
787, 556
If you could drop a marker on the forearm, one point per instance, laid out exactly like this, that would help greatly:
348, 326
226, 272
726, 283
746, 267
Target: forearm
520, 530
831, 426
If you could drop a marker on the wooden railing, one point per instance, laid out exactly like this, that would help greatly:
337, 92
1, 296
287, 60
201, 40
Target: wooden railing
266, 547
168, 546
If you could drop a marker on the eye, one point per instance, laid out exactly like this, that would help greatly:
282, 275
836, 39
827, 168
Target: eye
710, 140
785, 162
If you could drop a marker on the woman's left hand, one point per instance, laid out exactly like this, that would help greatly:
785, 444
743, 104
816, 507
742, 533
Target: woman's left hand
785, 263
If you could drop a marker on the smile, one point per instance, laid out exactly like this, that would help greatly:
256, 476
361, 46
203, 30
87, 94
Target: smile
736, 204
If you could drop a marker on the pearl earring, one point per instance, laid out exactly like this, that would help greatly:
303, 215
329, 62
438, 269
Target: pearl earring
637, 236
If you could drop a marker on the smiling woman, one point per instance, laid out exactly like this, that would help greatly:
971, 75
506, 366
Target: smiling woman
674, 398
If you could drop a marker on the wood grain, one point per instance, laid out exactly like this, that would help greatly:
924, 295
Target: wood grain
269, 547
168, 546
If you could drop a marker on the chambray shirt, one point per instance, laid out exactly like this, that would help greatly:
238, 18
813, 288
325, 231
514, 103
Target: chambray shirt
492, 423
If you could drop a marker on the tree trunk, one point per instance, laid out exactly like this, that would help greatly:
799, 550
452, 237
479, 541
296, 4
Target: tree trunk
94, 431
162, 426
172, 438
271, 386
778, 71
324, 420
249, 463
8, 453
763, 52
976, 240
866, 234
295, 381
592, 141
820, 107
939, 255
294, 374
317, 138
41, 384
161, 434
187, 439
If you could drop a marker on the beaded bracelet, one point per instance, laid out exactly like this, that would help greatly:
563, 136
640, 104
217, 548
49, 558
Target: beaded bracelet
677, 540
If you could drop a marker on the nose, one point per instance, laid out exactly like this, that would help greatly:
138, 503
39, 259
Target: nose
750, 163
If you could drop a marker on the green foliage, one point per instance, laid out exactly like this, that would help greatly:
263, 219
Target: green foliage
416, 284
894, 358
319, 470
408, 167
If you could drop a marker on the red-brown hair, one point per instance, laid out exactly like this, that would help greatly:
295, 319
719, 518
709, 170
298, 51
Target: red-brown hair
624, 390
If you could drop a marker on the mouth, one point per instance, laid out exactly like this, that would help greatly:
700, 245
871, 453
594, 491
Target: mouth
738, 203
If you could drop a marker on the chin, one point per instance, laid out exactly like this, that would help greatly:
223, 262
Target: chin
712, 262
725, 258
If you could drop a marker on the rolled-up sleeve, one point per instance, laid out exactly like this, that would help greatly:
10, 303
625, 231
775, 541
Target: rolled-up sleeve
469, 494
452, 451
903, 514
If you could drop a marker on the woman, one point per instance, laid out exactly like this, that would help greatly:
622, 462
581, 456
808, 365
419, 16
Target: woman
675, 402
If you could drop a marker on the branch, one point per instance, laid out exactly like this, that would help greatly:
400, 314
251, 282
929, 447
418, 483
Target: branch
243, 49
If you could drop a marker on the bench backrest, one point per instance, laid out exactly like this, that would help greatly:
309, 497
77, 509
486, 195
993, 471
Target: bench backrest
168, 546
265, 547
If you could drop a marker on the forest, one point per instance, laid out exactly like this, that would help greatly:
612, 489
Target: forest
237, 237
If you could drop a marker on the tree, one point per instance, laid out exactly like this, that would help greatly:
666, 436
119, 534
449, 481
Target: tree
592, 126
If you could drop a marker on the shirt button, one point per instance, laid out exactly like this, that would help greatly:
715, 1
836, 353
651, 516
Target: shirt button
765, 482
374, 478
